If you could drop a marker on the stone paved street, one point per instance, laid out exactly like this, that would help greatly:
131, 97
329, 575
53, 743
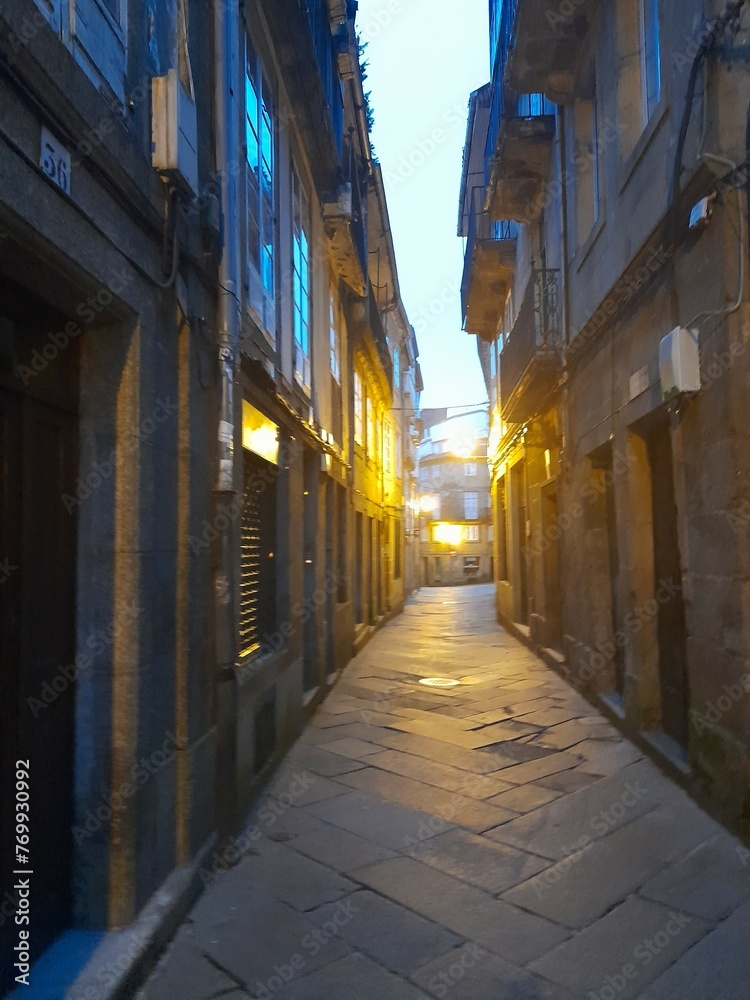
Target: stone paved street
493, 841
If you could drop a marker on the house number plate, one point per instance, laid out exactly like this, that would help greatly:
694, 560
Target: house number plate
55, 161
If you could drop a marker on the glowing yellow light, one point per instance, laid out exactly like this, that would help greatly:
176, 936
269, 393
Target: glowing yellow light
462, 446
427, 504
448, 534
259, 434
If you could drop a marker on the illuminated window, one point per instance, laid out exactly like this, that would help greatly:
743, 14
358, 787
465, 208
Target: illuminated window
471, 506
387, 446
650, 56
470, 469
370, 422
301, 280
359, 422
472, 533
334, 320
397, 368
261, 156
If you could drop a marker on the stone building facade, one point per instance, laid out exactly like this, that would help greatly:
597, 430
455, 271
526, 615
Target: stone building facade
186, 289
456, 531
605, 210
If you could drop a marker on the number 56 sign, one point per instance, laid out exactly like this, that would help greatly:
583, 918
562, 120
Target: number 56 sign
55, 161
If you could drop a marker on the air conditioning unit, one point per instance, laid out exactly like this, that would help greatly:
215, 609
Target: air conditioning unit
679, 363
175, 131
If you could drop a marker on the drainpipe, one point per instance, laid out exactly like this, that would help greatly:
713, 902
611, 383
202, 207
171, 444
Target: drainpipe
227, 32
565, 279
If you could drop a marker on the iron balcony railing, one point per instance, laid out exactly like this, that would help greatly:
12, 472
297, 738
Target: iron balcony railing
482, 229
536, 332
506, 103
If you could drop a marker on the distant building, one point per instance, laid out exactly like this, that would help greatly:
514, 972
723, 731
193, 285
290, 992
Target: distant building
456, 533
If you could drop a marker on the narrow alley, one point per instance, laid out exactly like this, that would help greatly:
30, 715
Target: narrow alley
494, 840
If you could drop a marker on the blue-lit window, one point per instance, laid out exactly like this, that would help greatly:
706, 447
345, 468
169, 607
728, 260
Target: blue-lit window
261, 184
301, 227
397, 368
651, 56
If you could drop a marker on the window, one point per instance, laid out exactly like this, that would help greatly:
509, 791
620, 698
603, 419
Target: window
639, 57
96, 32
587, 156
378, 440
398, 455
335, 335
471, 533
424, 534
470, 469
397, 368
359, 411
650, 56
397, 557
370, 419
501, 512
471, 506
261, 193
387, 446
301, 281
436, 472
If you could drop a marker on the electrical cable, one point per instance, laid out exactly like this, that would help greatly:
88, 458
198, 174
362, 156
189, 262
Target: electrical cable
728, 310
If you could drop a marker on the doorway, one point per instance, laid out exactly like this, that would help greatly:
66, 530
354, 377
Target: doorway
551, 563
663, 682
518, 494
38, 537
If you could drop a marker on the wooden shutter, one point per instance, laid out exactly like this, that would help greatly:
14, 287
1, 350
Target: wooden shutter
98, 29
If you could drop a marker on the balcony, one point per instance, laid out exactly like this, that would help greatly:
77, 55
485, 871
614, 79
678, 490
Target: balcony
345, 226
531, 359
539, 45
368, 329
308, 62
518, 154
489, 264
